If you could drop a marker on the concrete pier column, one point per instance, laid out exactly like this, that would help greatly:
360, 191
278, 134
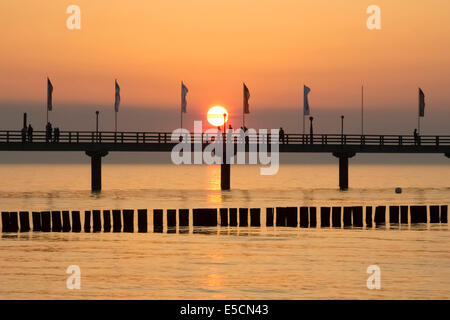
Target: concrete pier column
225, 169
343, 168
225, 172
96, 169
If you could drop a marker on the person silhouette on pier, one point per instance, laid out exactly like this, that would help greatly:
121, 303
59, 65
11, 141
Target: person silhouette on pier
416, 138
48, 132
281, 133
30, 133
56, 135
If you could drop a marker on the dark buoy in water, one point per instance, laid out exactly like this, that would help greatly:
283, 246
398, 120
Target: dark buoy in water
398, 190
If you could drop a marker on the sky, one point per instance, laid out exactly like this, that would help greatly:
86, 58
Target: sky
274, 46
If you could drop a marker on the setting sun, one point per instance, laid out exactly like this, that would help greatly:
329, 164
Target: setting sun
216, 117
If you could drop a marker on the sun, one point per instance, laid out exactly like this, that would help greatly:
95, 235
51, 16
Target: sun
216, 117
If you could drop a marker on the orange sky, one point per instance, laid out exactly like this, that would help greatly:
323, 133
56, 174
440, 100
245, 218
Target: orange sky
213, 45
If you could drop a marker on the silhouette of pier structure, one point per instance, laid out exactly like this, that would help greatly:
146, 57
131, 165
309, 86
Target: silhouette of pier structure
185, 220
343, 146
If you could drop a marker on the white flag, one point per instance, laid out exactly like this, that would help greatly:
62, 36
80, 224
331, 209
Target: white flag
184, 91
117, 99
306, 91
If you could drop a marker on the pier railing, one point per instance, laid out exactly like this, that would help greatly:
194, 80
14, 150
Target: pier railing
16, 136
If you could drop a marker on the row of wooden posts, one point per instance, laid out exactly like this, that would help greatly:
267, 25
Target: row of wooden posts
303, 217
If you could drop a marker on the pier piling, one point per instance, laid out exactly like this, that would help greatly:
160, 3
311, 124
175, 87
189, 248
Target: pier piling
404, 213
418, 214
157, 220
5, 221
380, 215
45, 221
183, 217
394, 214
444, 210
13, 222
434, 214
223, 213
36, 217
292, 217
142, 220
128, 220
225, 176
106, 221
204, 217
280, 217
369, 216
66, 221
304, 220
312, 217
97, 221
233, 217
255, 217
336, 217
24, 218
96, 168
171, 220
76, 221
56, 221
358, 216
87, 221
243, 217
117, 220
269, 217
325, 217
343, 168
347, 216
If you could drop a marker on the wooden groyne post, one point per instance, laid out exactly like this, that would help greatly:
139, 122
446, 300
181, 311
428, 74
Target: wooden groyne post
128, 220
142, 220
204, 217
24, 218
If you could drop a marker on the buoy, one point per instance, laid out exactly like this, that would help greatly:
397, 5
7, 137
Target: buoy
398, 190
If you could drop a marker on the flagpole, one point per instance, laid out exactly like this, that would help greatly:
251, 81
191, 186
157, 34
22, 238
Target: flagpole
362, 110
115, 119
418, 124
418, 116
303, 122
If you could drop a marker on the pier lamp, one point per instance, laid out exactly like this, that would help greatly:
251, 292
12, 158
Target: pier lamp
342, 125
96, 122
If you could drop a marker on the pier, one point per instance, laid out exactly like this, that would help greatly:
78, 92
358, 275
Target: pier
97, 145
184, 220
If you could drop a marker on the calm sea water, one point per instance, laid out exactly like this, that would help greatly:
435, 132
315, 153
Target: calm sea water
225, 263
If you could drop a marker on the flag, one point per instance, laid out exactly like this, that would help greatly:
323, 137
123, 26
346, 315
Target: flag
117, 98
184, 91
49, 95
421, 103
246, 97
306, 91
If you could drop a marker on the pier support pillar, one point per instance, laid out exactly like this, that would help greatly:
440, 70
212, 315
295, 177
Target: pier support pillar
343, 168
225, 167
96, 169
225, 176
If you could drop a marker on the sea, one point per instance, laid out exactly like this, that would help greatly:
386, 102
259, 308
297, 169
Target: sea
226, 262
